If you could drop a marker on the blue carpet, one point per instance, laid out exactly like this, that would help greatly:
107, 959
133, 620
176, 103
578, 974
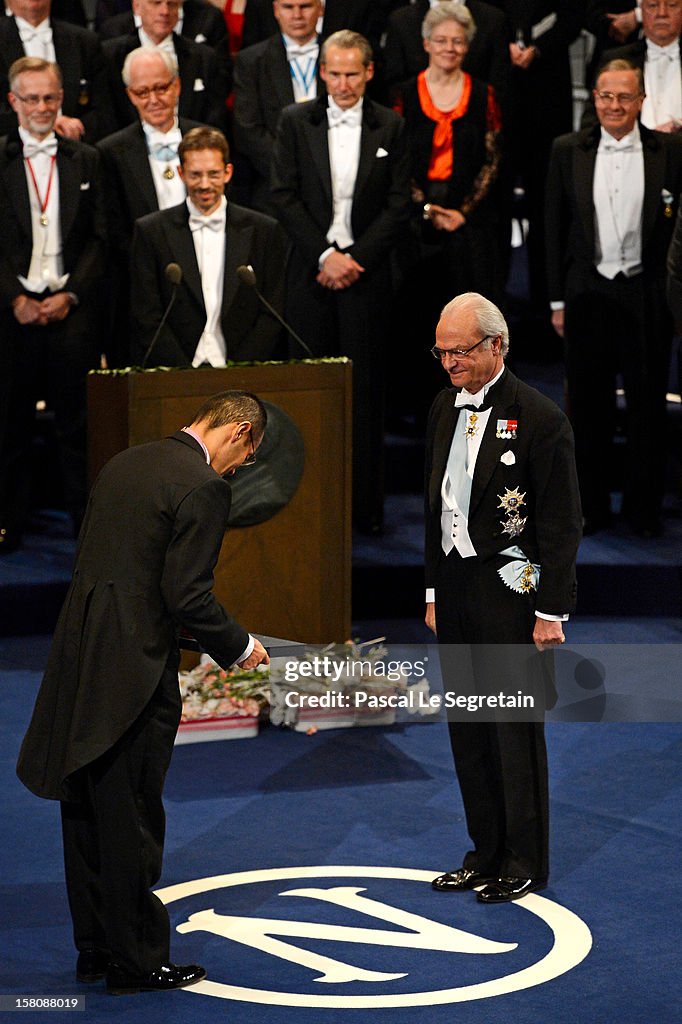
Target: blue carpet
381, 800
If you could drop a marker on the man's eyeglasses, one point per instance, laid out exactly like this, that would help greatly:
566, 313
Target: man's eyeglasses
155, 90
49, 99
251, 457
459, 353
623, 98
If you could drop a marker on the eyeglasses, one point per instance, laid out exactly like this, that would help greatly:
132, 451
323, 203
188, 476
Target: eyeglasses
251, 457
623, 98
155, 90
459, 43
458, 353
49, 99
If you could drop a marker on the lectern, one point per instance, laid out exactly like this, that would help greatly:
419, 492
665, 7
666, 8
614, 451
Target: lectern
291, 574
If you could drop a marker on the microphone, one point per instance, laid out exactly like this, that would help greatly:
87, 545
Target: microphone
247, 276
173, 274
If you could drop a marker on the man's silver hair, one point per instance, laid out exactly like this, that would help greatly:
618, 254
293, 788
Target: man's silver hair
488, 316
168, 59
449, 12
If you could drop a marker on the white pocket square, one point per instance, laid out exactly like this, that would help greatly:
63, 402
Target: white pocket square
85, 185
200, 38
199, 85
382, 152
508, 458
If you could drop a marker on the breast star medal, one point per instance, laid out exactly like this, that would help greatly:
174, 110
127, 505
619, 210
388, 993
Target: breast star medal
471, 427
511, 502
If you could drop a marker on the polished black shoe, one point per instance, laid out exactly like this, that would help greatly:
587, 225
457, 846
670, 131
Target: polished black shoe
91, 965
459, 881
504, 890
164, 979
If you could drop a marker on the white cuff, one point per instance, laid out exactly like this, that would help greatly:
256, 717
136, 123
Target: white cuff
430, 595
248, 650
327, 252
551, 618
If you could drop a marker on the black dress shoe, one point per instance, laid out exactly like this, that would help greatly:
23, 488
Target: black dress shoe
458, 881
504, 890
164, 979
91, 965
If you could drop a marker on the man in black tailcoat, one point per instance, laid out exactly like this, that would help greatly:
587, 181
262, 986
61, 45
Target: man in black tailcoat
503, 523
108, 709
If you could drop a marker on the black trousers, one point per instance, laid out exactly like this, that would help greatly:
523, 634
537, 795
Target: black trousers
51, 363
353, 323
618, 327
114, 835
501, 765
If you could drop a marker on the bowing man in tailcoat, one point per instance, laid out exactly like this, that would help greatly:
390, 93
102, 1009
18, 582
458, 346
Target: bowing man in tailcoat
340, 184
268, 77
31, 31
503, 524
612, 192
102, 731
215, 317
52, 262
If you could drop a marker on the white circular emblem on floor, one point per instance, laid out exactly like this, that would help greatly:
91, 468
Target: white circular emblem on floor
402, 930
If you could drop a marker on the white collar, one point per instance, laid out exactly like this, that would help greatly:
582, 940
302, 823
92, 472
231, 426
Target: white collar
631, 140
220, 210
26, 136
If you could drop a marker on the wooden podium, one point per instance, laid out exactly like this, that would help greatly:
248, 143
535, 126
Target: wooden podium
291, 575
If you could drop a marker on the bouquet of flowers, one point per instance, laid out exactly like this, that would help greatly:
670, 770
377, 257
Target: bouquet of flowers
209, 691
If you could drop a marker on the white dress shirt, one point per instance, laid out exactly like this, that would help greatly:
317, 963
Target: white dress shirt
164, 44
170, 191
208, 236
662, 84
303, 67
343, 139
618, 196
36, 39
47, 266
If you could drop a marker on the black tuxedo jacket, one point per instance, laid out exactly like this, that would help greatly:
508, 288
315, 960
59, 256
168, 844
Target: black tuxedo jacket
144, 567
250, 333
80, 58
569, 217
634, 52
205, 80
301, 187
82, 215
262, 89
129, 184
202, 23
487, 59
543, 469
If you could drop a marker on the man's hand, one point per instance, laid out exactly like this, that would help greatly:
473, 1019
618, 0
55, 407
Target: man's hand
27, 311
445, 219
558, 319
430, 617
547, 633
55, 307
339, 270
69, 127
622, 25
258, 656
522, 56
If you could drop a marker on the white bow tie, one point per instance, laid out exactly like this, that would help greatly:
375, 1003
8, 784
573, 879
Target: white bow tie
215, 222
609, 147
464, 398
308, 50
49, 147
670, 53
171, 138
352, 117
43, 35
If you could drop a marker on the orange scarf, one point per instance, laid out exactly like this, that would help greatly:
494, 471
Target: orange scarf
440, 165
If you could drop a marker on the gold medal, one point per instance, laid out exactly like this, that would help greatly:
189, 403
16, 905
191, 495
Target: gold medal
43, 220
169, 173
